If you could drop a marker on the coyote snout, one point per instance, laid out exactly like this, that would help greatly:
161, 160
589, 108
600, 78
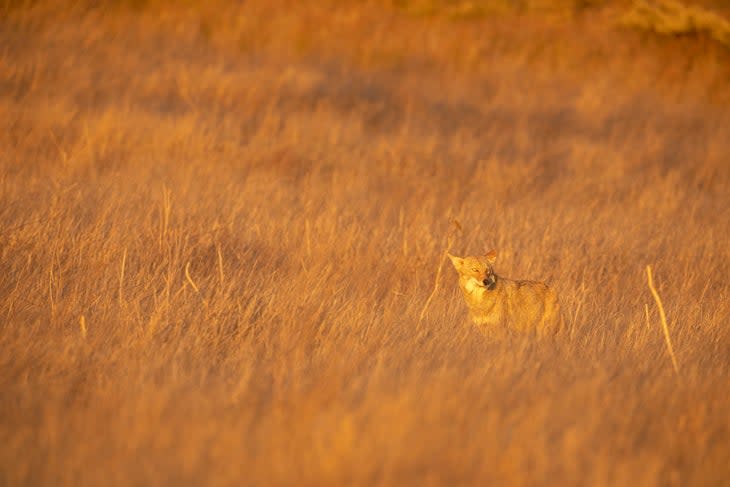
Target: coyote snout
494, 300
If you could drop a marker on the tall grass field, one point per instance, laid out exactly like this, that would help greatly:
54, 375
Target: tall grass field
222, 237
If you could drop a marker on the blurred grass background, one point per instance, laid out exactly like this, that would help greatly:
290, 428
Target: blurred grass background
220, 222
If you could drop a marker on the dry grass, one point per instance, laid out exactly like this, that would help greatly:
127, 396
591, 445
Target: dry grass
217, 235
675, 18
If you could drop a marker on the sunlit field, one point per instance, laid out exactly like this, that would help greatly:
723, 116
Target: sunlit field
220, 226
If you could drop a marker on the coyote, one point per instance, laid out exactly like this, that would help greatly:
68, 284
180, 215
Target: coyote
494, 300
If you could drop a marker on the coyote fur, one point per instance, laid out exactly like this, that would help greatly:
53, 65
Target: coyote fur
495, 301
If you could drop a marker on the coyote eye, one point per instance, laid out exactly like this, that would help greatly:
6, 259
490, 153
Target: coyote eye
474, 269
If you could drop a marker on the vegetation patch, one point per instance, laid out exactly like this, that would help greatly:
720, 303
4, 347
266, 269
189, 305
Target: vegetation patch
671, 17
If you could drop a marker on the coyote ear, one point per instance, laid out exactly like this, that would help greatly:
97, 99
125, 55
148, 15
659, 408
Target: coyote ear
457, 261
491, 256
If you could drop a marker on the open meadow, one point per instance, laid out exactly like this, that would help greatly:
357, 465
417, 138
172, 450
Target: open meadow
220, 226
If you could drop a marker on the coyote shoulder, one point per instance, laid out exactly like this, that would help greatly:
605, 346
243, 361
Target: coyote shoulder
494, 300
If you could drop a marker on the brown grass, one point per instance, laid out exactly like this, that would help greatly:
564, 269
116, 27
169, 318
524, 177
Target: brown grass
217, 234
675, 18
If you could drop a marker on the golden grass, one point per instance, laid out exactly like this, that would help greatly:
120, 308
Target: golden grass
437, 279
670, 17
217, 235
663, 317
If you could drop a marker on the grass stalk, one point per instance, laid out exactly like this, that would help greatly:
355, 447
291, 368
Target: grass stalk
121, 277
82, 326
165, 213
192, 283
663, 318
449, 242
221, 276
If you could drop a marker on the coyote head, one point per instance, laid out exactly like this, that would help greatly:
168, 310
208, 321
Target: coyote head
476, 271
